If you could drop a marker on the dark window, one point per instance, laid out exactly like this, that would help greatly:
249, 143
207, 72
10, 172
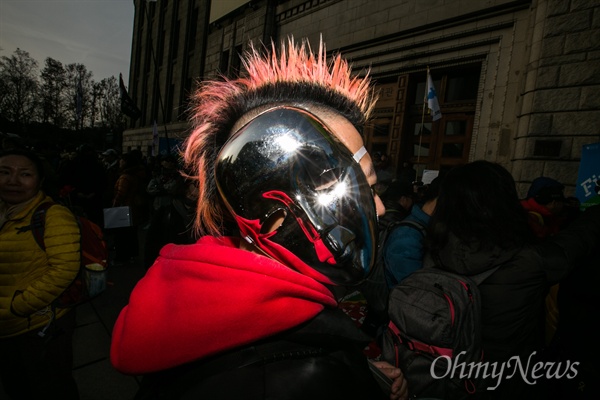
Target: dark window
420, 91
152, 9
193, 30
379, 148
148, 51
421, 150
169, 107
175, 42
462, 84
143, 12
426, 128
236, 61
452, 150
161, 47
144, 110
381, 130
456, 128
224, 62
155, 102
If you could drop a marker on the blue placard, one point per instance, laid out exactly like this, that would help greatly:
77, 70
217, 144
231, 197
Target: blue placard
589, 173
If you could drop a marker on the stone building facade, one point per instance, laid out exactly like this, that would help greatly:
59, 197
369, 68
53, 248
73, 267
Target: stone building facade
517, 80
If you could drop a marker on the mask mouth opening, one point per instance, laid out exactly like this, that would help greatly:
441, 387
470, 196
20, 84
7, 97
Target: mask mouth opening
342, 243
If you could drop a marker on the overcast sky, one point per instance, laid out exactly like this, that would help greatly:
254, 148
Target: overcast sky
95, 33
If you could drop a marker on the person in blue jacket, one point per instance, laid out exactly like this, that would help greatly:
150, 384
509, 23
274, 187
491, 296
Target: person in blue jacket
403, 249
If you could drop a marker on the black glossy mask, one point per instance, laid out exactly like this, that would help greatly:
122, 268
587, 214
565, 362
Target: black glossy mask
286, 165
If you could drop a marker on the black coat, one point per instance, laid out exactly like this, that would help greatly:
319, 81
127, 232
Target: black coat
513, 297
321, 359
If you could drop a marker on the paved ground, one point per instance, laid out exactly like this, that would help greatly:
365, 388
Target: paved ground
95, 377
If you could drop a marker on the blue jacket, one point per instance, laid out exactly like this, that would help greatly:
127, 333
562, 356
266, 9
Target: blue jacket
403, 249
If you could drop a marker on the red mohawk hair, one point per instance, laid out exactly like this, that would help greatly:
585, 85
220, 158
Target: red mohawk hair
299, 64
293, 75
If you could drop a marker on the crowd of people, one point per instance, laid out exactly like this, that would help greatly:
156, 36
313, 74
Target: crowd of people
277, 214
35, 331
87, 181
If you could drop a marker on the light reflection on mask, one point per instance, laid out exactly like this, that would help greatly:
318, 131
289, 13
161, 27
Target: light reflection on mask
286, 162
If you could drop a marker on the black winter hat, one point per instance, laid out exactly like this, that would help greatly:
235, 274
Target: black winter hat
544, 190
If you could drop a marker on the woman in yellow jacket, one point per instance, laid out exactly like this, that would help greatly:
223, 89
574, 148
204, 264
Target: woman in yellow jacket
35, 337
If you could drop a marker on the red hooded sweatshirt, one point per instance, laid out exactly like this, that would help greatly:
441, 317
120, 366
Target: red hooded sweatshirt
202, 299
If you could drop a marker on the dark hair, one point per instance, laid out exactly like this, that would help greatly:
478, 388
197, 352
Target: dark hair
479, 201
137, 155
34, 158
433, 190
131, 159
398, 189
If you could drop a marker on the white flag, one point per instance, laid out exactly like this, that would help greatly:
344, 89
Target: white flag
432, 100
155, 139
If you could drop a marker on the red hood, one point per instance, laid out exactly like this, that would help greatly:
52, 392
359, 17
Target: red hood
202, 299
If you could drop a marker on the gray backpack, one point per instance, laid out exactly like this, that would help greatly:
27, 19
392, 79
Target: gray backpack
435, 319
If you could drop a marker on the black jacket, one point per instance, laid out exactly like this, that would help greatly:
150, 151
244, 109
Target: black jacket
321, 359
513, 296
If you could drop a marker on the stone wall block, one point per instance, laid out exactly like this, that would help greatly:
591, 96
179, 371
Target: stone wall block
561, 60
579, 142
554, 46
568, 23
540, 124
596, 17
530, 169
557, 7
582, 41
556, 100
577, 5
579, 74
590, 100
562, 171
547, 77
576, 123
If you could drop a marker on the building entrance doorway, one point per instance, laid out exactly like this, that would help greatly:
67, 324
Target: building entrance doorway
401, 130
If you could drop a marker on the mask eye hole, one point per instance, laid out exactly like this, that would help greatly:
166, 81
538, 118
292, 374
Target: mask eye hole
273, 221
